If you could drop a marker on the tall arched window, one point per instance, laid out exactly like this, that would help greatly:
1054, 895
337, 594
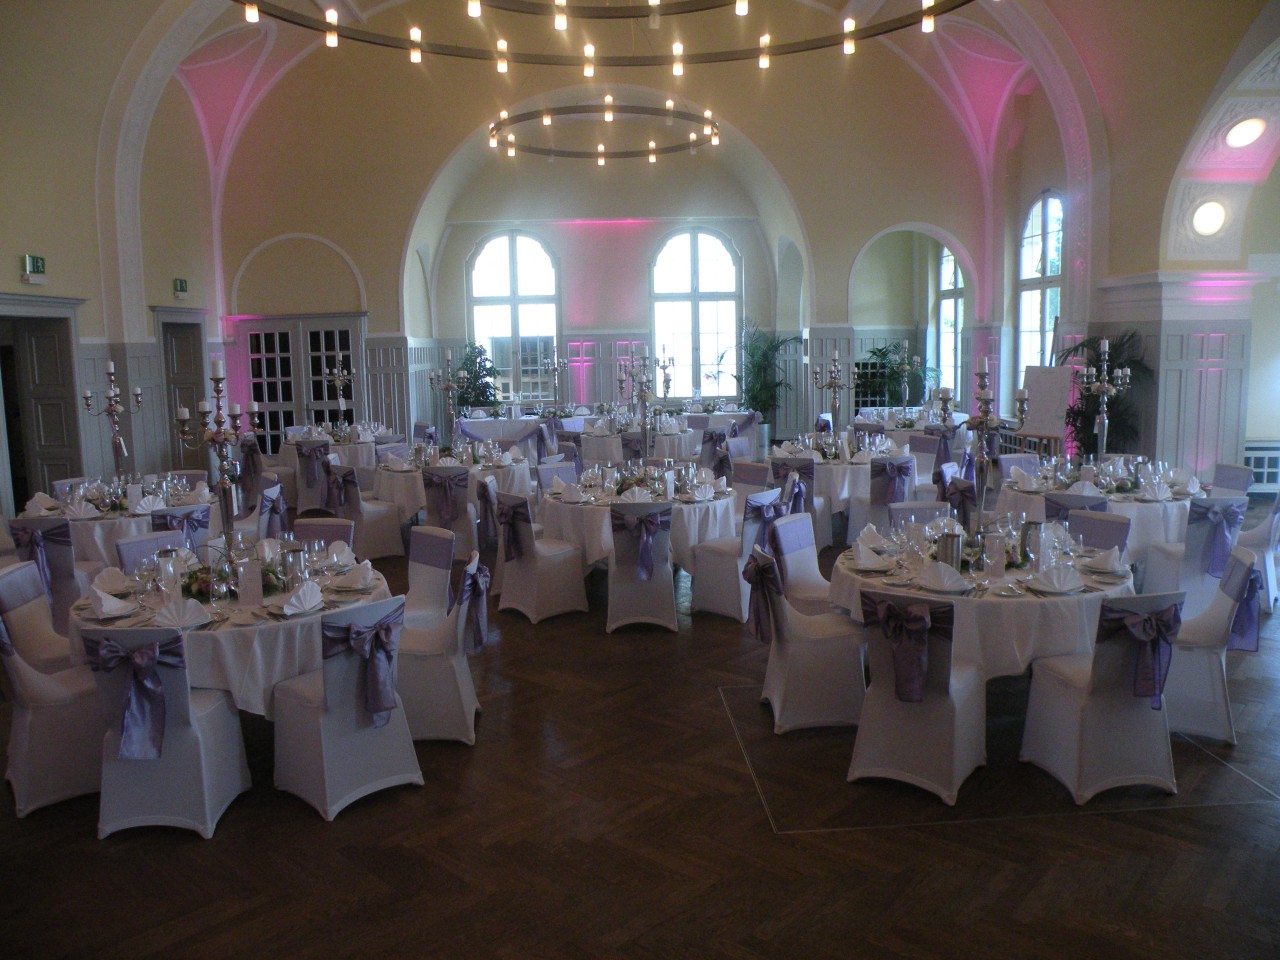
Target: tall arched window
513, 303
1039, 282
697, 309
949, 319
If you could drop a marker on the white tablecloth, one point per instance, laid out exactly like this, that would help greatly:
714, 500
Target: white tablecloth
407, 491
601, 450
999, 635
590, 527
358, 455
95, 540
678, 446
846, 487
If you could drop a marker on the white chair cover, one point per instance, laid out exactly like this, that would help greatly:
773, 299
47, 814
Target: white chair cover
1263, 539
430, 565
192, 520
805, 587
542, 577
1058, 505
718, 586
1101, 531
377, 521
891, 481
448, 504
134, 550
311, 455
328, 529
172, 756
641, 581
47, 542
341, 732
270, 515
1229, 477
1195, 566
1005, 462
817, 507
28, 619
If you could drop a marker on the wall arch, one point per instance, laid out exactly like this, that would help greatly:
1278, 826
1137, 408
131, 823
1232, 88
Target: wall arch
334, 284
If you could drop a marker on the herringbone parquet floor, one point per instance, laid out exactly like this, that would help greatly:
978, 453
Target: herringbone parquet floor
626, 798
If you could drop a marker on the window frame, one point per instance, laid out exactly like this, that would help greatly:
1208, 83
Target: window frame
955, 296
1042, 284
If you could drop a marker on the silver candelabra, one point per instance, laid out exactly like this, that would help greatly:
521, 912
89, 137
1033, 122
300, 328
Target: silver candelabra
215, 435
983, 424
445, 382
665, 364
1104, 387
556, 368
637, 372
112, 408
340, 379
835, 384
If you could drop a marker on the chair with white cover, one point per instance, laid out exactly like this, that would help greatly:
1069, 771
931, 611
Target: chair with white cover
565, 471
55, 729
1006, 462
917, 511
30, 624
748, 477
341, 732
792, 544
891, 481
815, 675
1263, 539
377, 521
543, 577
718, 586
716, 454
47, 542
641, 580
1196, 695
328, 529
1100, 531
269, 517
924, 718
1094, 720
925, 448
430, 569
796, 473
172, 756
1195, 566
433, 677
425, 433
133, 551
1230, 479
448, 504
312, 455
1059, 505
192, 520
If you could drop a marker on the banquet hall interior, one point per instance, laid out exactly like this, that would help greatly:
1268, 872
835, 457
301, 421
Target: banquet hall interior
326, 205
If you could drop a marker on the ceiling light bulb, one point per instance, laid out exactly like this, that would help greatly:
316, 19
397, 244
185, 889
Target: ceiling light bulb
677, 51
849, 26
600, 158
562, 22
546, 119
764, 52
331, 36
926, 22
1245, 132
473, 8
493, 137
715, 138
693, 137
415, 34
511, 144
706, 127
502, 56
331, 15
251, 12
1209, 218
740, 8
671, 105
589, 68
608, 108
653, 152
415, 55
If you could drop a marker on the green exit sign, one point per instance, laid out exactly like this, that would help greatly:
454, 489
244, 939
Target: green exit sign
33, 264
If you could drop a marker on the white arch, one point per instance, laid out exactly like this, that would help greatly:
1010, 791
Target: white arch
323, 241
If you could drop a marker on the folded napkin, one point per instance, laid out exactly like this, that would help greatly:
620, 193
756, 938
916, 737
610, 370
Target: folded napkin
1058, 579
704, 491
392, 462
721, 484
104, 605
601, 429
864, 558
1156, 491
557, 485
112, 580
1106, 562
268, 549
340, 553
447, 462
870, 538
384, 432
941, 576
200, 494
572, 493
890, 449
181, 614
42, 501
306, 597
515, 455
505, 459
1192, 486
1023, 479
359, 577
670, 428
636, 495
149, 503
862, 456
704, 475
1084, 487
80, 510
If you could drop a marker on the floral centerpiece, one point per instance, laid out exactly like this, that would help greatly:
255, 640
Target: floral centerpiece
198, 582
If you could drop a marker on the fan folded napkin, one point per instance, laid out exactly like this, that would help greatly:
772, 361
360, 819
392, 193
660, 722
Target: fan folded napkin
703, 491
871, 539
384, 432
941, 576
306, 597
1107, 562
1026, 481
572, 493
80, 510
104, 605
148, 504
392, 462
1084, 487
181, 614
447, 462
864, 558
188, 559
636, 495
41, 501
890, 449
112, 580
1058, 579
341, 554
505, 459
721, 484
557, 485
554, 458
862, 456
359, 577
1156, 492
704, 475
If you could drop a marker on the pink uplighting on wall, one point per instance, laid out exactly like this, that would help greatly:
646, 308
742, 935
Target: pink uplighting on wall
608, 296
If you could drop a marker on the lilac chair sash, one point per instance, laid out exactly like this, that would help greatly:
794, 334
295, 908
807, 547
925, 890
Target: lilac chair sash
30, 543
250, 462
721, 460
573, 440
509, 518
488, 511
314, 452
944, 435
792, 538
963, 496
445, 484
189, 522
803, 480
644, 527
1155, 634
765, 604
475, 588
822, 425
342, 492
376, 644
1242, 583
142, 714
767, 514
907, 631
899, 473
1058, 506
432, 551
1217, 546
277, 513
425, 433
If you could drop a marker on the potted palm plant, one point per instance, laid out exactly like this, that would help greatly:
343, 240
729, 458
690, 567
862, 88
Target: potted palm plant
762, 380
475, 378
889, 365
1123, 409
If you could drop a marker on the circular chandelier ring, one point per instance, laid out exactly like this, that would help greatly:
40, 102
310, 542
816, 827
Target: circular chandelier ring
284, 14
699, 120
631, 11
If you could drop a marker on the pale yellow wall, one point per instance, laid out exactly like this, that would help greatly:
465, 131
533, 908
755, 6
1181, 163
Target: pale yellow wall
296, 275
884, 284
1262, 237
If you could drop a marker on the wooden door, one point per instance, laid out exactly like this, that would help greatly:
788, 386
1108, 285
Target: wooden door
183, 346
46, 367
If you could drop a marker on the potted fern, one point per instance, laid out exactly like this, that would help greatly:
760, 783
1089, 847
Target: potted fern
1123, 409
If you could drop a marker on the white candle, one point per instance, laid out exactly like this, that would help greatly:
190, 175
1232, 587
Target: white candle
1021, 394
904, 346
253, 406
202, 406
644, 349
1089, 371
219, 369
111, 366
137, 391
984, 394
342, 404
87, 394
184, 413
984, 365
233, 409
836, 355
1105, 346
448, 355
944, 393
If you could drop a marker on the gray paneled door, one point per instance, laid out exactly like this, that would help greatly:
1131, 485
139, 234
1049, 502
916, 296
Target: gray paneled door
183, 345
49, 406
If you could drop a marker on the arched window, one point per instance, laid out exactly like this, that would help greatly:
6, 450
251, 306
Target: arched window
513, 307
949, 319
1039, 283
697, 313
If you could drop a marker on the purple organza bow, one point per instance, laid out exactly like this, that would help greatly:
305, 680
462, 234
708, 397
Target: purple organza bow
250, 461
723, 463
798, 492
764, 606
342, 492
509, 519
1242, 583
944, 435
1217, 545
475, 588
631, 444
908, 634
898, 472
644, 527
315, 454
277, 512
444, 484
142, 714
1155, 634
767, 514
432, 551
822, 425
376, 644
189, 523
29, 542
962, 495
488, 511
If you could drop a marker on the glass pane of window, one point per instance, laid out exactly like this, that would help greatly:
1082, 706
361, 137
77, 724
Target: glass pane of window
673, 270
717, 347
538, 320
716, 272
949, 275
491, 273
1032, 249
535, 276
673, 328
1053, 237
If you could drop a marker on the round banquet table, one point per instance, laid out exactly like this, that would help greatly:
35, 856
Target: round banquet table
686, 445
246, 660
846, 487
406, 489
1000, 636
589, 526
599, 451
358, 455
